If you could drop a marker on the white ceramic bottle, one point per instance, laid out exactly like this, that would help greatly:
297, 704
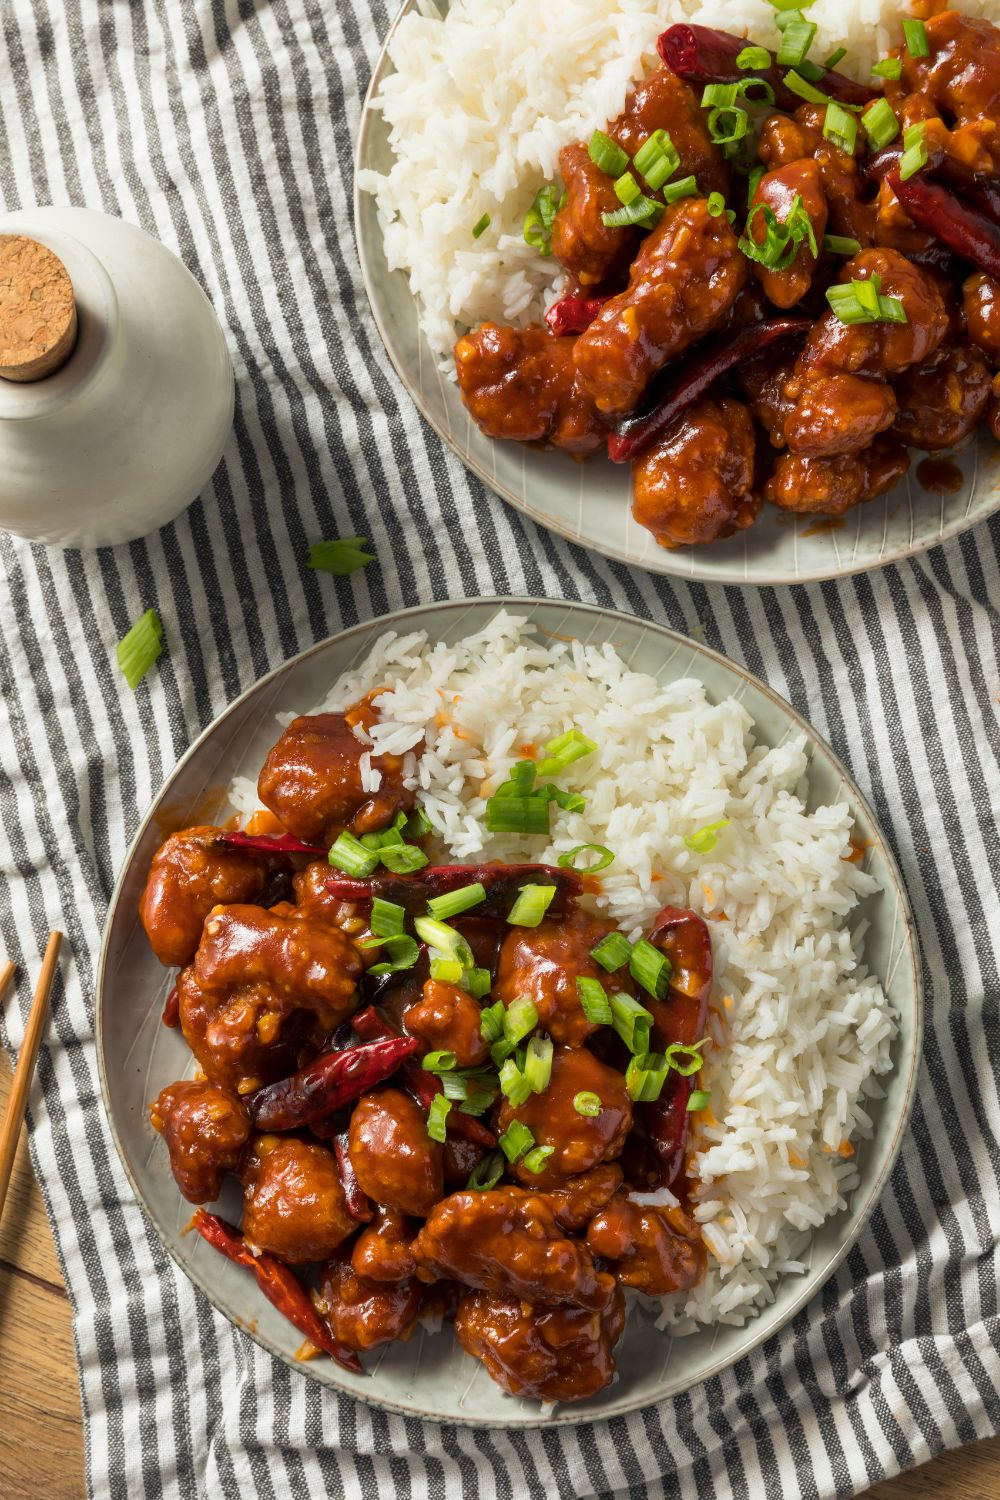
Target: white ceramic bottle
128, 429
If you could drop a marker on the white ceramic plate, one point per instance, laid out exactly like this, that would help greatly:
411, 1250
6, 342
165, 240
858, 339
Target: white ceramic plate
431, 1376
590, 502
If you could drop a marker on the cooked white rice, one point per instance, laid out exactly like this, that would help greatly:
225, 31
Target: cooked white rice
801, 1030
481, 102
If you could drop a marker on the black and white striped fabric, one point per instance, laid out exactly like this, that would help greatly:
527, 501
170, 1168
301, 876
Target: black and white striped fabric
227, 130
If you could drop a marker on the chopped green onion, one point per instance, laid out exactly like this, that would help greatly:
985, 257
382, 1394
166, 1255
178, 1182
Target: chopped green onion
447, 970
691, 1058
641, 210
439, 1062
798, 85
520, 779
631, 1020
650, 968
700, 1099
388, 919
403, 953
716, 204
727, 125
491, 1022
478, 982
881, 124
834, 58
785, 5
418, 825
437, 1117
481, 226
612, 951
656, 159
704, 840
781, 241
454, 902
445, 939
568, 861
568, 801
607, 154
754, 57
350, 855
796, 39
841, 127
486, 1173
862, 302
840, 244
587, 1103
480, 1094
403, 859
594, 1001
889, 67
684, 187
520, 1017
627, 189
540, 217
456, 1086
790, 13
915, 37
914, 154
517, 814
645, 1076
533, 901
535, 1160
719, 95
746, 84
500, 1051
538, 1064
340, 557
867, 295
515, 1141
563, 751
139, 647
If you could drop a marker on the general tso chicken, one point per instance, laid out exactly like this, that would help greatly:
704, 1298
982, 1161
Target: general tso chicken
778, 281
451, 1092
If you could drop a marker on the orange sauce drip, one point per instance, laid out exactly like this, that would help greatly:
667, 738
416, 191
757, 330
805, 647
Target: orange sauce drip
940, 475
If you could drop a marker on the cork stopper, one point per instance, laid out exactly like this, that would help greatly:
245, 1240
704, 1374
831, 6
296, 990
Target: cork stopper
37, 310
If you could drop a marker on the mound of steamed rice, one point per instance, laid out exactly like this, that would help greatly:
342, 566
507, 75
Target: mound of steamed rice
800, 1031
481, 102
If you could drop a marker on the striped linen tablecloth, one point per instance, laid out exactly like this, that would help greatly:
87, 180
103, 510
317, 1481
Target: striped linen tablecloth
227, 130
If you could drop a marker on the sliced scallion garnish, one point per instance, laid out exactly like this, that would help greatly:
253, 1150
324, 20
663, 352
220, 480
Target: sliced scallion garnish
914, 152
437, 1117
915, 37
753, 57
796, 39
587, 1103
505, 814
607, 154
841, 127
454, 902
520, 1018
540, 217
515, 1141
481, 226
627, 189
478, 982
888, 67
486, 1173
642, 211
684, 187
535, 1160
350, 855
859, 301
594, 1001
439, 1062
645, 1076
570, 860
881, 124
403, 859
388, 918
631, 1020
538, 1064
139, 647
704, 839
650, 968
445, 939
532, 902
657, 159
403, 952
841, 244
700, 1099
340, 557
564, 750
612, 951
685, 1060
491, 1022
716, 204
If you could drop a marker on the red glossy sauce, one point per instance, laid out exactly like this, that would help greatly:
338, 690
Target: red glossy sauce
941, 475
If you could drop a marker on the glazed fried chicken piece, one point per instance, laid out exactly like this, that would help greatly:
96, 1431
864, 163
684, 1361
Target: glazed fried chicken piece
665, 102
655, 1250
510, 1244
382, 1251
293, 1201
831, 486
942, 399
545, 962
785, 140
981, 308
191, 872
800, 185
695, 483
521, 384
206, 1131
686, 276
960, 79
578, 1141
447, 1019
549, 1353
394, 1159
363, 1314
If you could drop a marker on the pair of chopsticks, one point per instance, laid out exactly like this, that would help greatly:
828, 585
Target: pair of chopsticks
10, 1127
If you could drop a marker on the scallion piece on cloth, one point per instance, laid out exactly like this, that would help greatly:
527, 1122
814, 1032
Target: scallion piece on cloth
388, 919
881, 124
486, 1173
139, 647
453, 902
915, 37
607, 154
570, 860
841, 127
796, 39
650, 968
594, 1001
841, 244
753, 57
505, 814
612, 951
700, 1099
685, 1060
340, 557
515, 1141
631, 1020
587, 1103
888, 67
914, 152
540, 217
704, 840
563, 751
439, 1062
481, 226
645, 1076
532, 902
538, 1064
535, 1159
437, 1117
520, 1017
403, 859
403, 953
350, 855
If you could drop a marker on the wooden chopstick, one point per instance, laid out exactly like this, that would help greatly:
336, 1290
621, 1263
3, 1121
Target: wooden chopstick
10, 1128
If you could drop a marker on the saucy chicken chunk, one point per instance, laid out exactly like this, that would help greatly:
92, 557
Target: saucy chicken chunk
655, 1250
312, 782
363, 1314
695, 483
578, 1142
382, 1251
293, 1201
396, 1162
522, 383
545, 962
192, 872
581, 241
245, 1037
206, 1131
831, 486
798, 186
447, 1019
942, 400
981, 306
550, 1353
683, 281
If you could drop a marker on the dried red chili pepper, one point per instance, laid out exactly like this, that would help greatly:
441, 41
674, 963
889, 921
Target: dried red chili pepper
172, 1009
703, 55
359, 1205
327, 1083
573, 314
279, 1284
973, 188
501, 883
269, 843
683, 386
963, 229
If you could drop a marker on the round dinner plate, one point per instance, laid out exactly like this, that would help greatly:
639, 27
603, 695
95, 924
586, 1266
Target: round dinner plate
590, 502
430, 1376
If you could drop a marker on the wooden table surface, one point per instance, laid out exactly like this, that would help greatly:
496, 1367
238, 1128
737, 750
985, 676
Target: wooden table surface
41, 1429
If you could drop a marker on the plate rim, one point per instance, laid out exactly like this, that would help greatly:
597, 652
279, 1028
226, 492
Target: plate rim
754, 1338
664, 562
